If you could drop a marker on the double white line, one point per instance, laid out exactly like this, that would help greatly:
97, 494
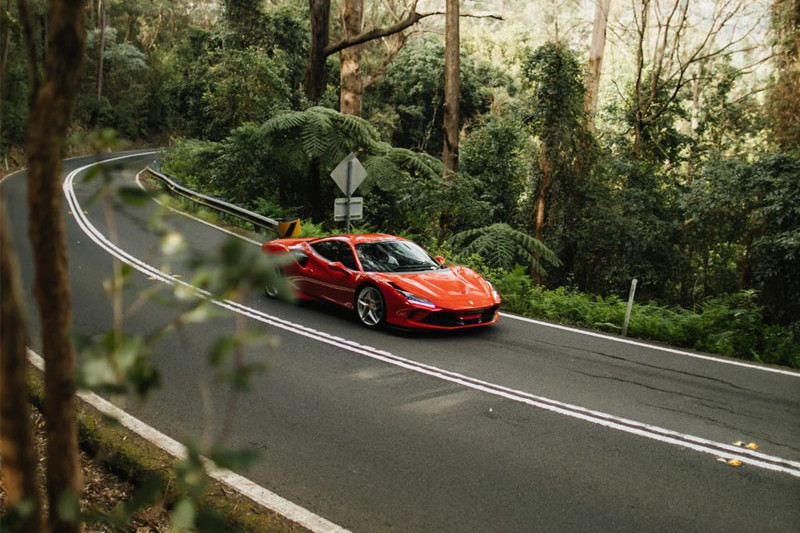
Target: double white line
717, 449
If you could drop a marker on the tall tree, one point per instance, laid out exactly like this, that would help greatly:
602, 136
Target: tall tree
316, 73
596, 58
350, 59
451, 86
319, 14
785, 94
48, 123
17, 448
101, 45
557, 121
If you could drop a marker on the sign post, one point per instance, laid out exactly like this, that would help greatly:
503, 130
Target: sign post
348, 175
347, 194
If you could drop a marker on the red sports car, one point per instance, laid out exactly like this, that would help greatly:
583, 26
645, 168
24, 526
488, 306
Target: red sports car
386, 279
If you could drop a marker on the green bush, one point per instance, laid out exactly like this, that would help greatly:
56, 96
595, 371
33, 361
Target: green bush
730, 325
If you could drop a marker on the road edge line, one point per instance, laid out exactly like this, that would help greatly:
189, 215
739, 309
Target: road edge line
247, 488
675, 351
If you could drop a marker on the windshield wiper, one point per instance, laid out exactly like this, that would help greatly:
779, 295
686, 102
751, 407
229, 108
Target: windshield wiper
418, 266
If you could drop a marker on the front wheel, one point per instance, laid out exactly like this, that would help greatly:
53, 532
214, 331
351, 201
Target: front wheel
370, 306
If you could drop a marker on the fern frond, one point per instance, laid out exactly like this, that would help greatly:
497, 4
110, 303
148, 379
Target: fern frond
418, 163
283, 122
357, 129
316, 133
382, 172
501, 246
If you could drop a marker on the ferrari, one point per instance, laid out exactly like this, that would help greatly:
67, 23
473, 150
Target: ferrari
385, 280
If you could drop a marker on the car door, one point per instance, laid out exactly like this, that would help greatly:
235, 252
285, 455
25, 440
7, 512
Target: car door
331, 271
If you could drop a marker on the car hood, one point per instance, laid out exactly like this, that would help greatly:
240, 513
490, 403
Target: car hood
453, 287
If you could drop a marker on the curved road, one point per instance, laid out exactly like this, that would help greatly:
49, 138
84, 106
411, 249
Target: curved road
518, 427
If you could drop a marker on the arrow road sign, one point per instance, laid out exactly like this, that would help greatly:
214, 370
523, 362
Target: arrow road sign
357, 173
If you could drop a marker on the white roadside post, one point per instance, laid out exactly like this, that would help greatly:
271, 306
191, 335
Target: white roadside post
348, 175
630, 307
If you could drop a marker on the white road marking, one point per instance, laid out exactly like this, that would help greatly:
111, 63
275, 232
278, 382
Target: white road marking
722, 360
244, 486
666, 436
239, 483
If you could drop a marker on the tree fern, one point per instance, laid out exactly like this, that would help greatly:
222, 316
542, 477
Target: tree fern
328, 135
501, 246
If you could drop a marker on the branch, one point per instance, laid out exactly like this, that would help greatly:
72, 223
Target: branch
378, 33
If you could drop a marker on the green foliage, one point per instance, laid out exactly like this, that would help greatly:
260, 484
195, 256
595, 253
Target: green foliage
502, 247
776, 247
752, 212
556, 101
628, 227
189, 159
409, 100
126, 98
728, 123
730, 325
562, 152
496, 155
221, 88
225, 78
323, 137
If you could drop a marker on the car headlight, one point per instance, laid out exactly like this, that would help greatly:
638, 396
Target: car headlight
413, 298
495, 294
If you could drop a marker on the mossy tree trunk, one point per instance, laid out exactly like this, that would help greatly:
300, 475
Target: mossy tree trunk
48, 125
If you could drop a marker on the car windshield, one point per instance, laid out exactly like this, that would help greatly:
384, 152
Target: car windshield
394, 256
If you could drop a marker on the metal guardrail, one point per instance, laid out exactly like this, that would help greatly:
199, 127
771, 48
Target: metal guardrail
216, 204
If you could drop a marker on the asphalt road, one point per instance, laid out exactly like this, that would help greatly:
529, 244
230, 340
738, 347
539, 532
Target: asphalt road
518, 427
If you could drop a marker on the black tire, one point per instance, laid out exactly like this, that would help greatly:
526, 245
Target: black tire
370, 306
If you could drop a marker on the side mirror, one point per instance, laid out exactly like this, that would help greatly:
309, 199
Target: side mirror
440, 260
337, 265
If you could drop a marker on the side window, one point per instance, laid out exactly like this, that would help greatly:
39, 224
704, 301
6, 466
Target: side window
336, 251
300, 256
324, 249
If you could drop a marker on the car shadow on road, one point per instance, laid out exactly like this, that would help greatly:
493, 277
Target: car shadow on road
332, 310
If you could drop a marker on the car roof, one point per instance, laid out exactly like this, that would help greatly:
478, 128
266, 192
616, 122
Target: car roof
364, 237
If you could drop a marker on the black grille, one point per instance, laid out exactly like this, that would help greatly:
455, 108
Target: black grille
461, 318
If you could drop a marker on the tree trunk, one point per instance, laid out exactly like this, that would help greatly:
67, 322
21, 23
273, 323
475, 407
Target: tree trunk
638, 95
48, 124
540, 210
5, 41
350, 84
101, 45
452, 87
316, 74
19, 457
315, 186
596, 58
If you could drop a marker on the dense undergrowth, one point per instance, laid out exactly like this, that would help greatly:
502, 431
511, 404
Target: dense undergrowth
732, 324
